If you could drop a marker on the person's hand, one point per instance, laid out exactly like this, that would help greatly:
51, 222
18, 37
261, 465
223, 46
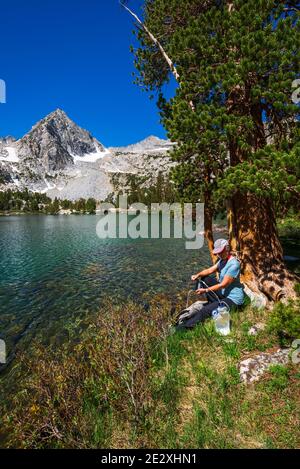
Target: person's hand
200, 291
194, 277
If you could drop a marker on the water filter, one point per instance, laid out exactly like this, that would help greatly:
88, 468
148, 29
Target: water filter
221, 317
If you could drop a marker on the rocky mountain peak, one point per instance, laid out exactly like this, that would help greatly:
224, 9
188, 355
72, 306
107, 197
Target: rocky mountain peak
7, 140
57, 113
151, 144
56, 121
153, 139
55, 141
62, 159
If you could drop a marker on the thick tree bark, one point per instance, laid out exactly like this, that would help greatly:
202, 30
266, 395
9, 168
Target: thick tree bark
261, 254
231, 222
252, 224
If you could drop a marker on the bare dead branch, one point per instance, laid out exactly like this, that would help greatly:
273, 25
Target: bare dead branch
292, 9
154, 40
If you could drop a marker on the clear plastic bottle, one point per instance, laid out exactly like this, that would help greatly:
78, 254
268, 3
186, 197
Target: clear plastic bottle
221, 317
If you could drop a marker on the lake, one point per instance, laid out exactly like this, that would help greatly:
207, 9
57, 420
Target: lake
55, 268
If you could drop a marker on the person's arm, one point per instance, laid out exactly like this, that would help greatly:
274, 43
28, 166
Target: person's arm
205, 272
225, 283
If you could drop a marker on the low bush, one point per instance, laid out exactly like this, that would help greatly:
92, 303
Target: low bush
68, 397
285, 321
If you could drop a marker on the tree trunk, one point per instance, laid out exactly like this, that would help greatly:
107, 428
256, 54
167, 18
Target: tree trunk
231, 222
253, 231
262, 265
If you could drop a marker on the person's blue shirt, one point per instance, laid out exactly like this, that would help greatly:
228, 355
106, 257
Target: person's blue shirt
235, 290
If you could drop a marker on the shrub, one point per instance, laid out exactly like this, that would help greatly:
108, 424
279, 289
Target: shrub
279, 378
285, 320
290, 227
68, 396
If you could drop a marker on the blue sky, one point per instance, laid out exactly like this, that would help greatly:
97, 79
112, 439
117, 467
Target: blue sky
73, 55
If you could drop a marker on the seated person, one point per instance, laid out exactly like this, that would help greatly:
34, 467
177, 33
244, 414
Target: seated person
228, 289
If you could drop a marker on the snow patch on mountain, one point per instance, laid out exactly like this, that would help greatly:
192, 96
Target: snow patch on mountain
150, 144
91, 157
12, 155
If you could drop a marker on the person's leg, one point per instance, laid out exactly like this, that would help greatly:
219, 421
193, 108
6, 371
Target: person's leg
204, 313
231, 304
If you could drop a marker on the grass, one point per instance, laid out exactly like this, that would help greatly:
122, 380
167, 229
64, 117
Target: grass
220, 412
128, 384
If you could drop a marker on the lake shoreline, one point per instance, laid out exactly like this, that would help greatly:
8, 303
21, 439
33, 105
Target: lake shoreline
217, 228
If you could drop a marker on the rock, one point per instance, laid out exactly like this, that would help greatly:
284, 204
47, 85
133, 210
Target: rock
65, 212
254, 330
253, 368
257, 300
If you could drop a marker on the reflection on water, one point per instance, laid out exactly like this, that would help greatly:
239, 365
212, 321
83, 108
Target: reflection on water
54, 268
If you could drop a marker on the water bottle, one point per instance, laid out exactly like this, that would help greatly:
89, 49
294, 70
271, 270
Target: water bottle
221, 317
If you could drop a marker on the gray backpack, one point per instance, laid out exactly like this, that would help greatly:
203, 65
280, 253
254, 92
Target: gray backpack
189, 312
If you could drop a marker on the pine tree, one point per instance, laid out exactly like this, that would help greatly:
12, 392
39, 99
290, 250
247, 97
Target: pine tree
233, 117
54, 207
80, 205
90, 206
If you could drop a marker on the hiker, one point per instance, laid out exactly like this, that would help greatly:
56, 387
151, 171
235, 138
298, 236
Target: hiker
228, 289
